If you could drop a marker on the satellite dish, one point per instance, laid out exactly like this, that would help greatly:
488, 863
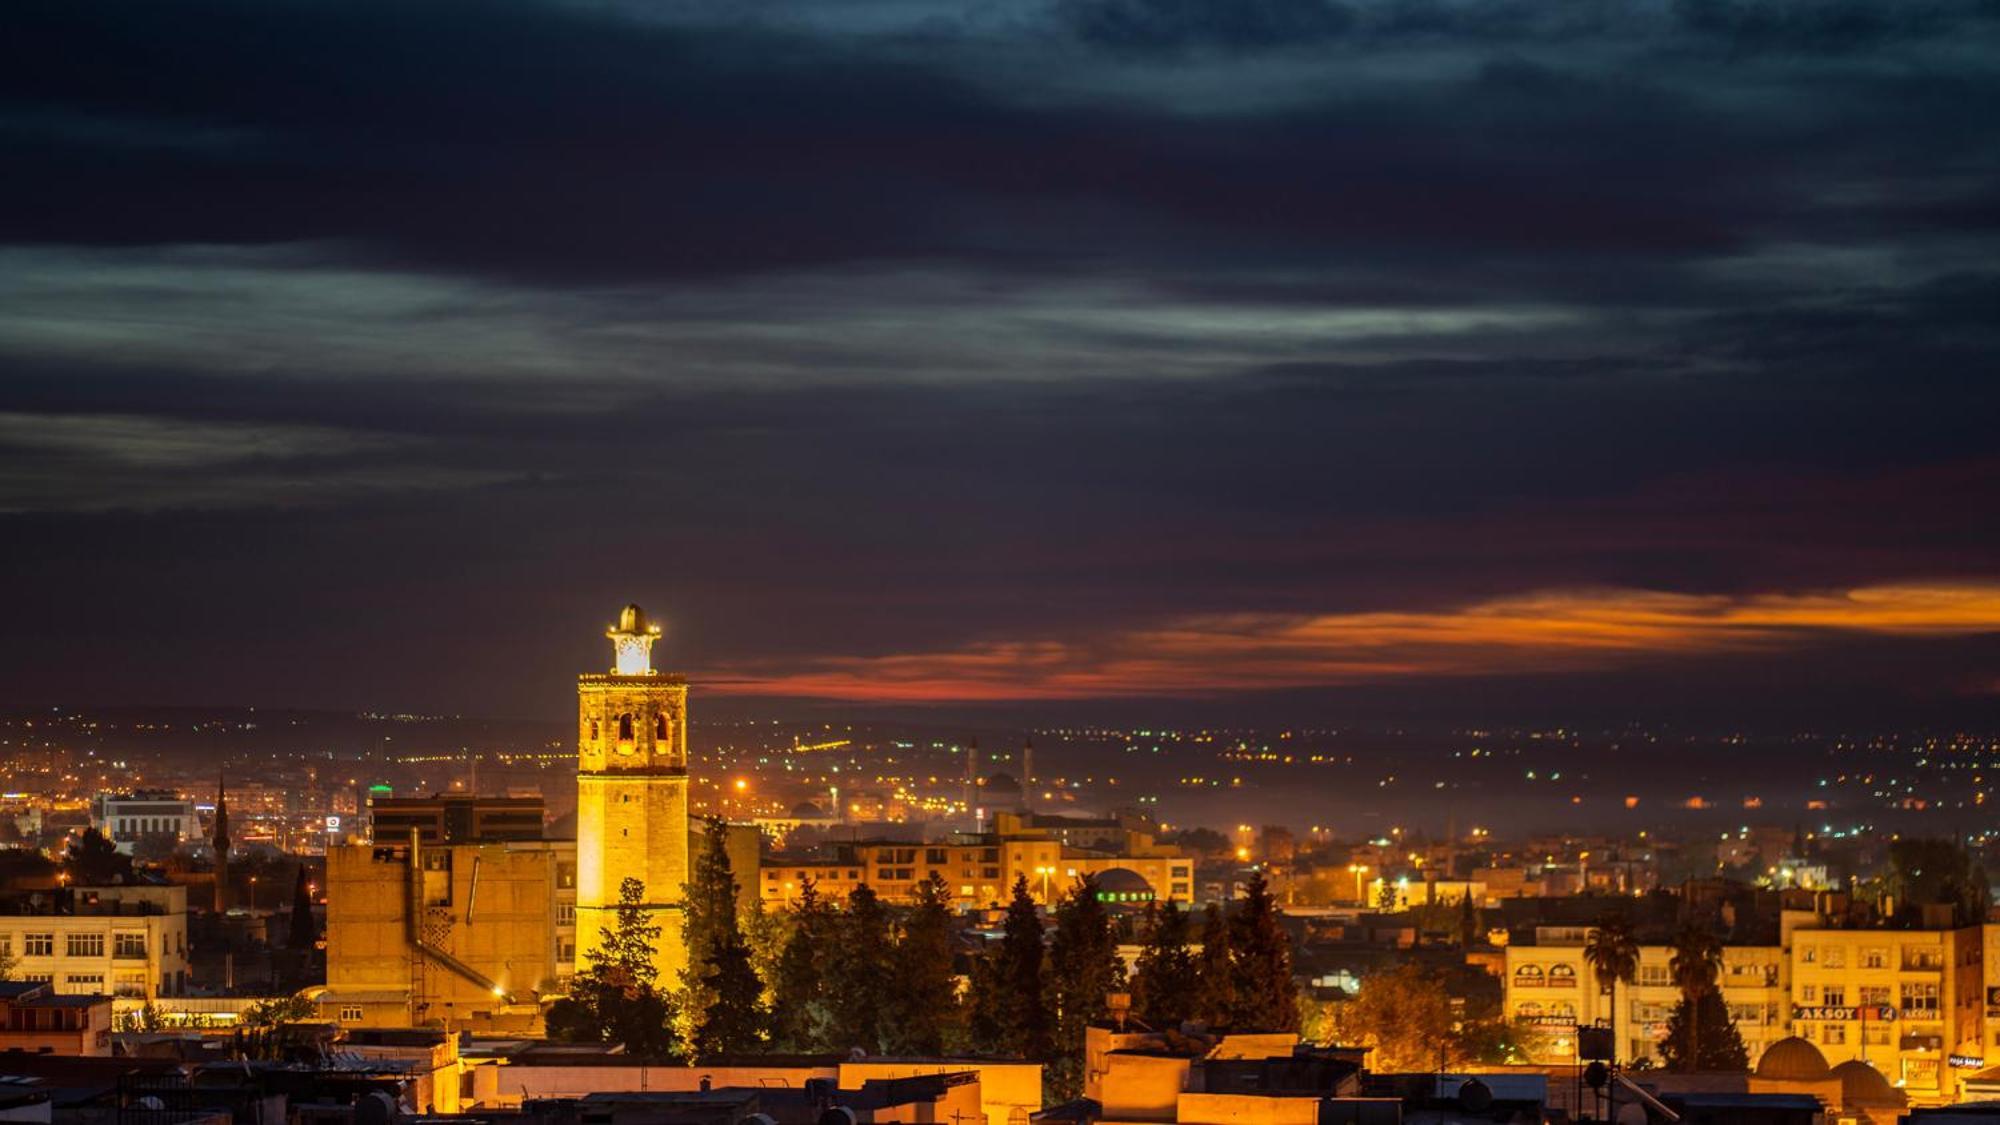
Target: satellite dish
1475, 1096
1596, 1075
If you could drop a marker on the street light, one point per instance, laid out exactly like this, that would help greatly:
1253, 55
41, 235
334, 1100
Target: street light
1359, 869
1045, 872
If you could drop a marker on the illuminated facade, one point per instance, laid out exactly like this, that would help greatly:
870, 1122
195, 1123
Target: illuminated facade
1907, 1002
632, 791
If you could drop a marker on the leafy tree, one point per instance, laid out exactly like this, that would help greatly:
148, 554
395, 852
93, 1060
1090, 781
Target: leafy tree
1701, 1036
1008, 1007
1166, 978
303, 933
720, 990
1936, 872
1200, 841
927, 1008
1695, 964
92, 860
798, 1003
616, 998
1215, 1000
1267, 998
1613, 955
767, 932
1403, 1015
862, 975
1084, 970
1385, 896
266, 1014
148, 1017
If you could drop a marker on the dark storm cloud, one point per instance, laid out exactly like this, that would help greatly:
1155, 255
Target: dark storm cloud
882, 336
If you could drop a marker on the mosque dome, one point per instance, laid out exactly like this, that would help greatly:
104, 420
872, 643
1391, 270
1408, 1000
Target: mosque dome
1863, 1085
1792, 1059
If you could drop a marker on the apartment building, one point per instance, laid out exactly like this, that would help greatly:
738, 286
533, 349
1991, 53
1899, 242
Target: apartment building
977, 871
128, 942
1910, 1003
1550, 984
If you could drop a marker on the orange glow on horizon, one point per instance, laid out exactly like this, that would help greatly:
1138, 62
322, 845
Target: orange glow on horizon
1550, 631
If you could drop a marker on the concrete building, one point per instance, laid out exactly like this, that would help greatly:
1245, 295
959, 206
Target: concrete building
979, 869
35, 1019
126, 941
455, 818
1550, 984
1906, 1002
127, 818
466, 935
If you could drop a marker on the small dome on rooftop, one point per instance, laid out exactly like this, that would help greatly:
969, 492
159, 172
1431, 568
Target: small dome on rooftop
1792, 1059
1863, 1085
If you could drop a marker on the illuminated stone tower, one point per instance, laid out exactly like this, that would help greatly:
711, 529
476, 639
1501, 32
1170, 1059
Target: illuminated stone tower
632, 792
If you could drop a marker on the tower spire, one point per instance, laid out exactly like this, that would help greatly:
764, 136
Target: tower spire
219, 839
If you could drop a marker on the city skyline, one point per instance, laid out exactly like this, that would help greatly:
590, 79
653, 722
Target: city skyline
1080, 358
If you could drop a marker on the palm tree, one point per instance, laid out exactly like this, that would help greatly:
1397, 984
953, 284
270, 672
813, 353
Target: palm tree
1613, 955
1697, 961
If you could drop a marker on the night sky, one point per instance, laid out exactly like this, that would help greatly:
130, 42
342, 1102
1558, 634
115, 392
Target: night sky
1262, 357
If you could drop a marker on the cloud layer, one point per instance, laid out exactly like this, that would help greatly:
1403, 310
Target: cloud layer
1001, 350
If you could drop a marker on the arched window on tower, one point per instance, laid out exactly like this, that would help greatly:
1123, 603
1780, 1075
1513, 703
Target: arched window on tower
660, 726
594, 736
625, 727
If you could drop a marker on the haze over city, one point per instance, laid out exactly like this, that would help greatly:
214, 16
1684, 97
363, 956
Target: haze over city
1013, 562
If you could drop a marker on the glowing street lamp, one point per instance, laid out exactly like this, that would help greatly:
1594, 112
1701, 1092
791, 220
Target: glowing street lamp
1359, 869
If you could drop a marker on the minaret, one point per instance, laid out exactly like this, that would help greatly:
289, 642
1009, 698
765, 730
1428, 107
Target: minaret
631, 792
220, 841
1028, 774
972, 780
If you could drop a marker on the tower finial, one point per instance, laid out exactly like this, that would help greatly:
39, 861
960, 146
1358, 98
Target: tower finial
632, 642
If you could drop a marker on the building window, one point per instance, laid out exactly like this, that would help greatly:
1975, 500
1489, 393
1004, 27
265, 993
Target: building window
1922, 958
83, 945
625, 727
83, 983
1834, 957
1920, 1000
1836, 1035
565, 914
351, 1013
1874, 995
1809, 993
1834, 996
38, 945
1809, 954
659, 726
1875, 957
128, 945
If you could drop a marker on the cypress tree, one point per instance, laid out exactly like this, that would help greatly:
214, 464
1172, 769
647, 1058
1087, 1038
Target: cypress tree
721, 995
862, 974
1009, 1007
1083, 969
616, 998
1215, 999
1166, 978
1267, 999
927, 1008
1701, 1036
798, 1004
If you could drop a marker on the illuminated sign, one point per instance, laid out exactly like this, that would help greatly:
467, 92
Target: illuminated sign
333, 824
1882, 1012
1966, 1062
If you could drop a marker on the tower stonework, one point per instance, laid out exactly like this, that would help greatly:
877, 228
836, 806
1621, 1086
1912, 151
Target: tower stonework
632, 793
